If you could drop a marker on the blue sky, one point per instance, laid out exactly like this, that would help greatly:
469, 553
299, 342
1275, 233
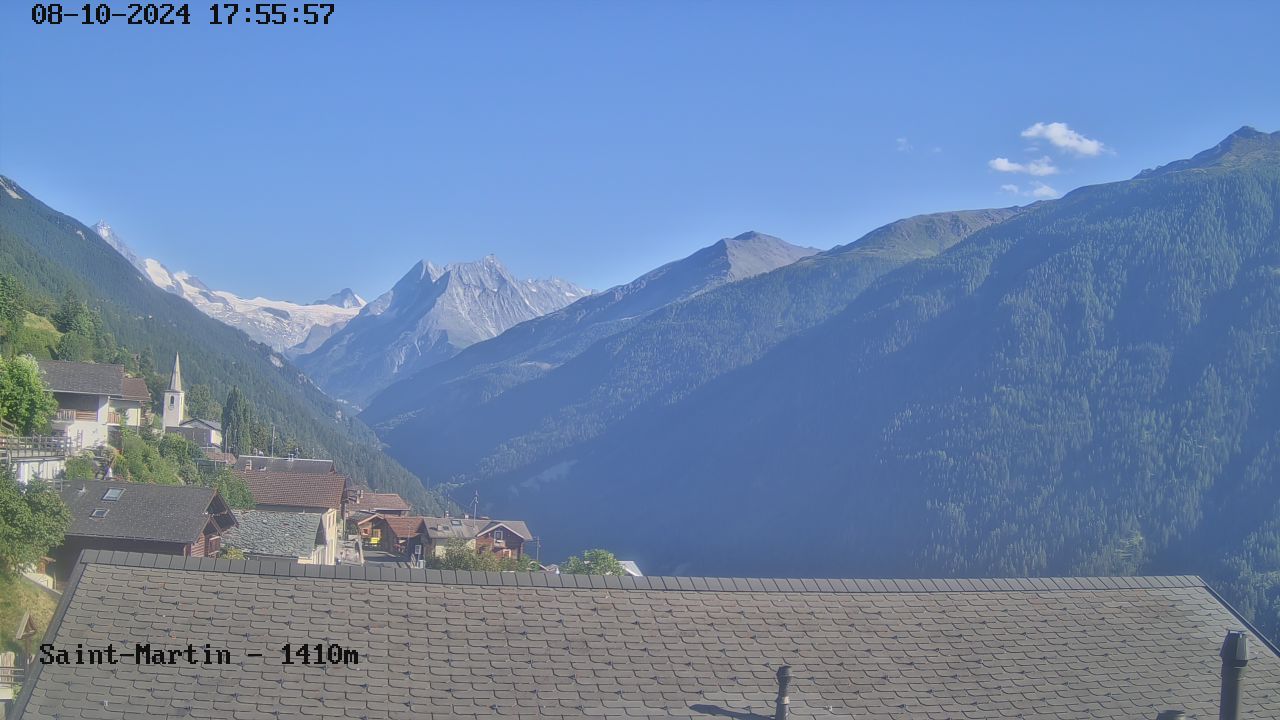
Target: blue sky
597, 140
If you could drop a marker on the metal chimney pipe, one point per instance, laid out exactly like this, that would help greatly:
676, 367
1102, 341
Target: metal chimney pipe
1235, 656
784, 681
1172, 715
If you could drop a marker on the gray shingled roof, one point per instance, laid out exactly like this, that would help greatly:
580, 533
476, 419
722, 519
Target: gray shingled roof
587, 647
264, 532
168, 513
455, 528
83, 378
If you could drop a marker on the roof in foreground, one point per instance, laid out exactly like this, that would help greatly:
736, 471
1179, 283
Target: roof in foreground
579, 647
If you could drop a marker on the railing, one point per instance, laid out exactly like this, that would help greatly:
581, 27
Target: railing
64, 415
41, 446
10, 676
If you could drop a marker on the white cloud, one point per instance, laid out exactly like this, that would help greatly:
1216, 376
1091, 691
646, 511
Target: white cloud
1038, 190
1039, 168
1065, 138
1044, 191
904, 145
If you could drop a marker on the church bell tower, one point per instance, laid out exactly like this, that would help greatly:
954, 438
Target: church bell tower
175, 401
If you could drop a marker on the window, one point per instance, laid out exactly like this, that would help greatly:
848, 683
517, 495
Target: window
497, 536
113, 494
170, 401
98, 513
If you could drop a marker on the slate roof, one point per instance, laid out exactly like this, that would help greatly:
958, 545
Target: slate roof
283, 534
590, 647
301, 490
373, 502
168, 513
454, 528
284, 464
205, 422
83, 378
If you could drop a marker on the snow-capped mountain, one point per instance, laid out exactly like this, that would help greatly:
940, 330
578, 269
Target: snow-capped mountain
428, 316
278, 323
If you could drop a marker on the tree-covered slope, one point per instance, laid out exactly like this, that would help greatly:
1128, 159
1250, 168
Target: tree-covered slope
1090, 387
463, 422
53, 254
531, 349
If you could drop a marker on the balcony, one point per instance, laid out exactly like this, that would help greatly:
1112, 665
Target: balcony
71, 416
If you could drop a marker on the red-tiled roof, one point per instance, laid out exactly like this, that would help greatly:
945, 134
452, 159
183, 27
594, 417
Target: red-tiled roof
302, 490
405, 527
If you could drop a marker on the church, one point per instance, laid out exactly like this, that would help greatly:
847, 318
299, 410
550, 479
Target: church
204, 432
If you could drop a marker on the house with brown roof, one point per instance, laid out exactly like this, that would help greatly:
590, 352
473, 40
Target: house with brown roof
417, 644
186, 520
400, 534
303, 491
504, 538
94, 400
386, 504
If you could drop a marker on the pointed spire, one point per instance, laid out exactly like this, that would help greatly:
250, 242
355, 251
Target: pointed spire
175, 383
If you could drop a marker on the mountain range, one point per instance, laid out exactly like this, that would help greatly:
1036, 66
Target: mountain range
429, 315
53, 256
279, 324
1085, 385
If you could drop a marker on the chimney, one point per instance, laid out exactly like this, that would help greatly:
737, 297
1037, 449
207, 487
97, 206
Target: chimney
784, 681
1235, 656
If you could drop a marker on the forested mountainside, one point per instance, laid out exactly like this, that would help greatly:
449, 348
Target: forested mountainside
530, 349
1089, 387
428, 316
55, 254
516, 412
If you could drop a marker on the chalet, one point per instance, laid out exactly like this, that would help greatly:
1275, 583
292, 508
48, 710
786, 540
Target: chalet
385, 504
400, 534
300, 492
505, 538
94, 400
577, 647
138, 517
270, 535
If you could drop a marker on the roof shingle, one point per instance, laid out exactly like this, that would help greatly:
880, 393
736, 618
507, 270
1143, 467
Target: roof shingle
579, 647
300, 490
284, 534
83, 378
167, 513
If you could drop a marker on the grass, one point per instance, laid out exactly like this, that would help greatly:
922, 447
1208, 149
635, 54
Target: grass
18, 596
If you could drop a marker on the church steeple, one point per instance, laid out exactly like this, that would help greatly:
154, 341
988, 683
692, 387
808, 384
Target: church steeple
175, 382
175, 400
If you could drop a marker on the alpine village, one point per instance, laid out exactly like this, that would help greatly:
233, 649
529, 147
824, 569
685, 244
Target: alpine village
202, 519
